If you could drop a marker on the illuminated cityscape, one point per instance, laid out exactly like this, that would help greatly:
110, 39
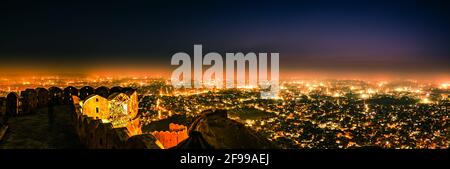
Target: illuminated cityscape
308, 113
225, 84
325, 114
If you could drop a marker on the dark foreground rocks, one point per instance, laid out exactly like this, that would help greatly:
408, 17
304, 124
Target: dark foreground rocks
214, 130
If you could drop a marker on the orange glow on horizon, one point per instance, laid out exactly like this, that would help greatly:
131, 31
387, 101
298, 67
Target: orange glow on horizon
24, 72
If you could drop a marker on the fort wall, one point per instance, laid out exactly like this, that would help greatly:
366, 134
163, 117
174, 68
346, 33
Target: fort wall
94, 134
175, 135
94, 131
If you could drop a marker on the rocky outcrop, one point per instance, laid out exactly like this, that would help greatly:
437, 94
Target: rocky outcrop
213, 129
144, 141
195, 141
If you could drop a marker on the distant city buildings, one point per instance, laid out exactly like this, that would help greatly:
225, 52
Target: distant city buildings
307, 114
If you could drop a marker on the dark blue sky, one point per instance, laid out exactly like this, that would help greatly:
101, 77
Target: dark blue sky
398, 36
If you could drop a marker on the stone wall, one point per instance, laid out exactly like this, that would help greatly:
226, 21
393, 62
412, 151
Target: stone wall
94, 134
175, 135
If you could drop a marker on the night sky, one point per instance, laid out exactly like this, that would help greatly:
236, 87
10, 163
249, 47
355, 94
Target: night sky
329, 36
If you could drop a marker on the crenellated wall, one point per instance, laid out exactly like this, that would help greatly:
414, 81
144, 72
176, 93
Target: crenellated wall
176, 134
94, 134
92, 131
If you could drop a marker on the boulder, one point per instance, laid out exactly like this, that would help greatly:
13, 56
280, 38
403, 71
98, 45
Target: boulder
213, 129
